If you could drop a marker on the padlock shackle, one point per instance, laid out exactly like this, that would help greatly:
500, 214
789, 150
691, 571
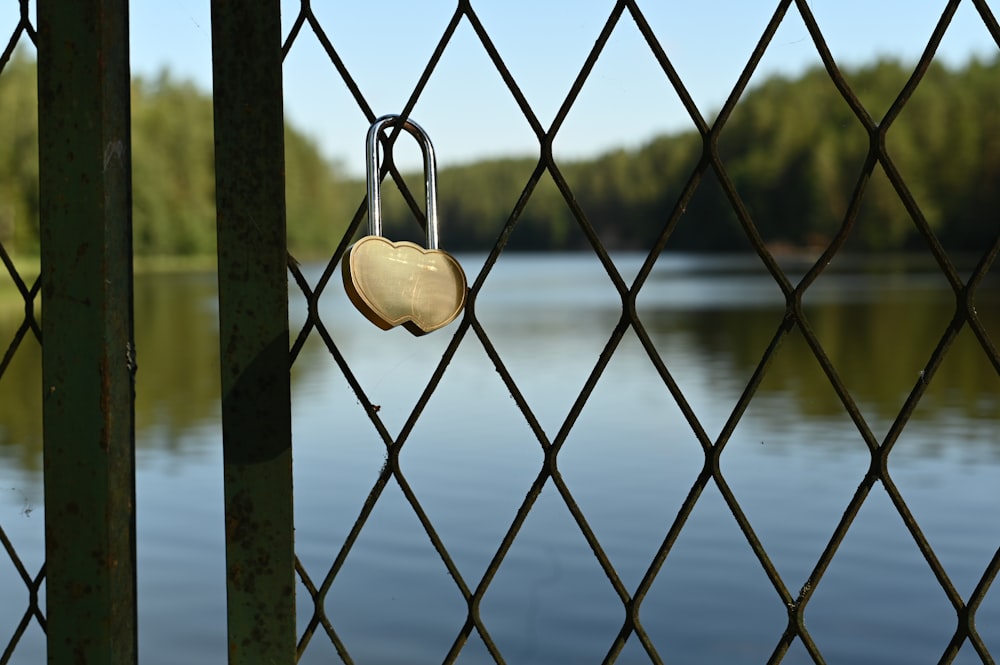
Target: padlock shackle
375, 180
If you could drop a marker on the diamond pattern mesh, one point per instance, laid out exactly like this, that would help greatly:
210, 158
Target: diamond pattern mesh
22, 34
794, 594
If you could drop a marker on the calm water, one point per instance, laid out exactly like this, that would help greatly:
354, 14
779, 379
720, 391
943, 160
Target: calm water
793, 462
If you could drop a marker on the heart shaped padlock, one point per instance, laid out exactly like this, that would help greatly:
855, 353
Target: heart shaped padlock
393, 283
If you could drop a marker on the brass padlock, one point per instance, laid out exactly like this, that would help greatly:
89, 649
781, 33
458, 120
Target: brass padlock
395, 283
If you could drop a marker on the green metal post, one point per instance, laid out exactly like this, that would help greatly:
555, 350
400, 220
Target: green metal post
87, 355
253, 328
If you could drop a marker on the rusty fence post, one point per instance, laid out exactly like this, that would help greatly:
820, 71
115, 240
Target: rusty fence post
88, 356
253, 329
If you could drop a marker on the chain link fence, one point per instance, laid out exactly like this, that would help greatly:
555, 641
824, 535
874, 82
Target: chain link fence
794, 595
27, 286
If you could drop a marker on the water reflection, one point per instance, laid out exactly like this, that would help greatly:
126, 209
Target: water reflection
878, 330
712, 316
20, 396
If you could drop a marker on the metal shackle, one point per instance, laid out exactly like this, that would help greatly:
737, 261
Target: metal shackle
375, 184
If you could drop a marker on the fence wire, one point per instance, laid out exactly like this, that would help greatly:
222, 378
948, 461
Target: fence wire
23, 33
318, 583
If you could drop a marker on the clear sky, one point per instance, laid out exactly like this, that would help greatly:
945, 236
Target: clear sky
467, 110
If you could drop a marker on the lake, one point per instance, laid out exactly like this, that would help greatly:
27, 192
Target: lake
793, 462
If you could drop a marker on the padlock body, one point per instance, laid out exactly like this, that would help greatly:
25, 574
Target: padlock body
402, 283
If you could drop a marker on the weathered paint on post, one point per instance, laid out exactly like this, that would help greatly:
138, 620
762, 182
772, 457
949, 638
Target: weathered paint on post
87, 355
253, 320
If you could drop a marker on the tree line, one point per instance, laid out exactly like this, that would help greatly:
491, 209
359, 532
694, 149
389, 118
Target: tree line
173, 170
794, 151
792, 148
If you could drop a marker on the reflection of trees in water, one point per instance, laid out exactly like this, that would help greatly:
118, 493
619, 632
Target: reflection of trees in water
878, 345
177, 347
177, 384
20, 396
878, 337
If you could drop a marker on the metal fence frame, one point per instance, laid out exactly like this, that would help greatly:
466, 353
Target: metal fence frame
253, 318
89, 356
88, 359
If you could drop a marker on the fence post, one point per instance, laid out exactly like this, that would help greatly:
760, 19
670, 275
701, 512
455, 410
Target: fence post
253, 329
87, 355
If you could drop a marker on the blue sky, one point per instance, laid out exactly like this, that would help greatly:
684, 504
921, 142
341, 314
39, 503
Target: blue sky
467, 110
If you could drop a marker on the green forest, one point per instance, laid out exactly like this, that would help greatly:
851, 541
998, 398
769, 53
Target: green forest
792, 147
